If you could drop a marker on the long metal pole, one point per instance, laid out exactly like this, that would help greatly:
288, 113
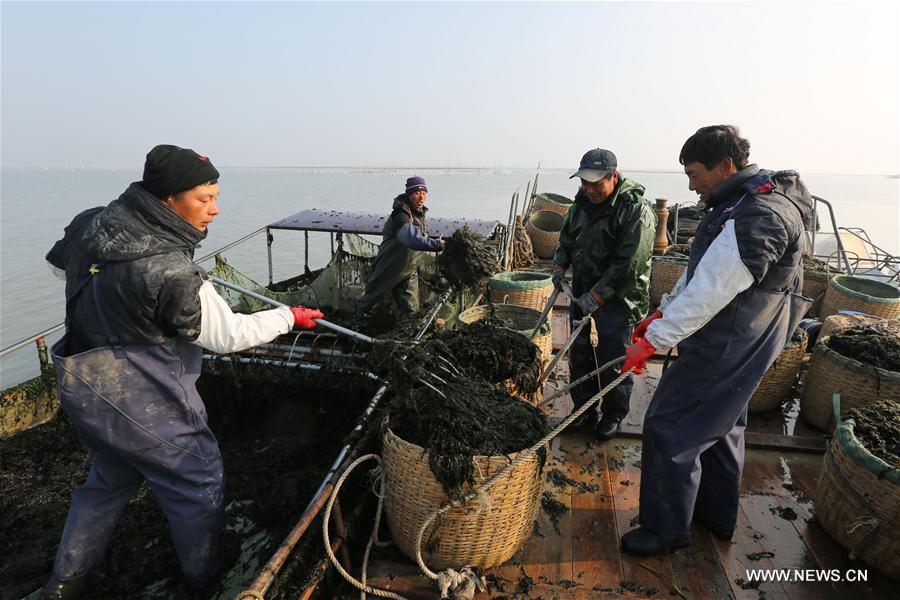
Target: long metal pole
277, 304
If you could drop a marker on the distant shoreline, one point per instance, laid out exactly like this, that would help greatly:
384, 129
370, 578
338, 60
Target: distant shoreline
363, 169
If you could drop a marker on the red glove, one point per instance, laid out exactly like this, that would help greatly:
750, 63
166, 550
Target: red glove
303, 317
641, 328
636, 356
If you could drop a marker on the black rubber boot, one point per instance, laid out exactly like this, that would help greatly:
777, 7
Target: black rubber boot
64, 590
607, 428
723, 532
643, 542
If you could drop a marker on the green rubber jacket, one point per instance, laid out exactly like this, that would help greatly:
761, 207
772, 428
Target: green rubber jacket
609, 247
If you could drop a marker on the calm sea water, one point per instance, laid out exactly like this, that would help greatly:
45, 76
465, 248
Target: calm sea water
35, 206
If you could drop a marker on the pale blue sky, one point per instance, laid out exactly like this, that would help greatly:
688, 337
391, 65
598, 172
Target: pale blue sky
814, 86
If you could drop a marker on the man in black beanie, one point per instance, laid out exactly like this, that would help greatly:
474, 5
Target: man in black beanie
139, 313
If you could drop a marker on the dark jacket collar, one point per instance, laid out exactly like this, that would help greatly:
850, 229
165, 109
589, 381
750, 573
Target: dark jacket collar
136, 225
727, 188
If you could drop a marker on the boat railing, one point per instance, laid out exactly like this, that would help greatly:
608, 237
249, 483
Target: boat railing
38, 337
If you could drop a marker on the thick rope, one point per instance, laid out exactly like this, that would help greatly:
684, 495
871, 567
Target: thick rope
521, 457
523, 251
360, 585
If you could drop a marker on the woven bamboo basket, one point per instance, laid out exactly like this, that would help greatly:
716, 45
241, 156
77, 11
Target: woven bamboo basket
832, 373
543, 228
534, 397
858, 500
815, 283
665, 272
522, 288
846, 292
841, 321
523, 320
777, 383
555, 202
481, 534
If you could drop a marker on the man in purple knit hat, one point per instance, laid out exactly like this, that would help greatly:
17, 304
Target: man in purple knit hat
405, 236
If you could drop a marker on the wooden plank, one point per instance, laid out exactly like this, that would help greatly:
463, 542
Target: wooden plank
623, 462
697, 569
596, 563
763, 508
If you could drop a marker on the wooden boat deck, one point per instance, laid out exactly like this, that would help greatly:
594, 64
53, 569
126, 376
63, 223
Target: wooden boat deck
583, 559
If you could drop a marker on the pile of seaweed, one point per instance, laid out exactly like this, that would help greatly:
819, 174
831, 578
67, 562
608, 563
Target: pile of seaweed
445, 397
467, 419
677, 252
493, 351
811, 263
468, 260
278, 430
878, 429
868, 345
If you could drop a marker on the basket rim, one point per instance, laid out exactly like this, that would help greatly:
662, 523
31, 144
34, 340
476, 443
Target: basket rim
552, 197
839, 283
850, 445
542, 214
506, 280
856, 365
512, 455
546, 328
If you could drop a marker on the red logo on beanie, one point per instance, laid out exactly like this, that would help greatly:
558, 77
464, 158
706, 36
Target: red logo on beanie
766, 187
201, 157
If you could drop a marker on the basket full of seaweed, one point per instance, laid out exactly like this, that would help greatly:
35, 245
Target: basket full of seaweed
847, 292
858, 496
862, 364
779, 379
517, 318
439, 447
816, 275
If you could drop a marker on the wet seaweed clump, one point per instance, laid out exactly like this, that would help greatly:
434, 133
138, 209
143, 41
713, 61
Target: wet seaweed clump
554, 509
468, 260
460, 419
877, 427
868, 345
814, 264
492, 351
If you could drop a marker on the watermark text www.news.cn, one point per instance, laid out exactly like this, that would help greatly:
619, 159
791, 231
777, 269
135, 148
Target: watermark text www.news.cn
798, 575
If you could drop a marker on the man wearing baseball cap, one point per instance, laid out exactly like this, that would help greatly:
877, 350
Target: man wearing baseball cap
404, 238
139, 313
607, 240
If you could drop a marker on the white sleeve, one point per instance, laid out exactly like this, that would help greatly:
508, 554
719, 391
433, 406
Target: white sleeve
718, 278
677, 289
223, 331
57, 272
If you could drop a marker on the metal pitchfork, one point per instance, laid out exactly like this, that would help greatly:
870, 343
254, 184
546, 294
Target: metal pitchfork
447, 365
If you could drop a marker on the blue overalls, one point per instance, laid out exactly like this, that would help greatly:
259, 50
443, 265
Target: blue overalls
137, 411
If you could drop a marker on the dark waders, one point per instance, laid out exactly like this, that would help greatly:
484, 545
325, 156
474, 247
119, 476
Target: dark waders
693, 444
137, 411
613, 334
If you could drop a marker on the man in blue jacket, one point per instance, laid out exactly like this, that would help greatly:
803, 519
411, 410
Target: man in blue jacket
405, 237
139, 313
730, 314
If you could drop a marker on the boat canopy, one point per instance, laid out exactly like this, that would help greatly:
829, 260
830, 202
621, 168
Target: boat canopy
335, 221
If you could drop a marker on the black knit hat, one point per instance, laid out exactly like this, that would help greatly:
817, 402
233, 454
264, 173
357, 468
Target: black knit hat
170, 169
